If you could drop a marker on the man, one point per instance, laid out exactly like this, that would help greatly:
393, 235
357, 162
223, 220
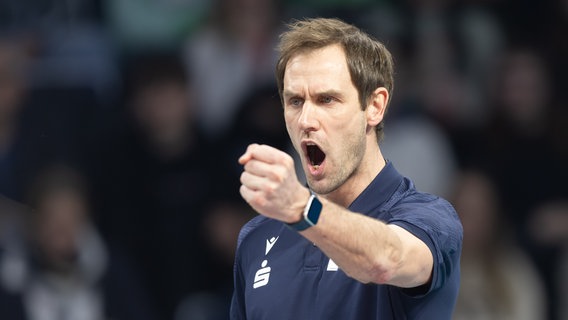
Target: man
361, 242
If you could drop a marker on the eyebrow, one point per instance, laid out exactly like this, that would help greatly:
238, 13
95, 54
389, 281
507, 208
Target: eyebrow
287, 94
331, 92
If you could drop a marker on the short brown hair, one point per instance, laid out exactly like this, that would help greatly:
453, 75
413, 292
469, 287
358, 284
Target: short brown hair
370, 63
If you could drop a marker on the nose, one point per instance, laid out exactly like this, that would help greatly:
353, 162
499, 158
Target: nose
308, 117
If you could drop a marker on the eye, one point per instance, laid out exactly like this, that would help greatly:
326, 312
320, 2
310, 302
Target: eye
326, 99
295, 102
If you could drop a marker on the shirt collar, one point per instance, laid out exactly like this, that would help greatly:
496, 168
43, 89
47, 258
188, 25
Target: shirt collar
378, 191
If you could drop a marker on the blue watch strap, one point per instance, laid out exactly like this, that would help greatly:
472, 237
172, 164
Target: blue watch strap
310, 216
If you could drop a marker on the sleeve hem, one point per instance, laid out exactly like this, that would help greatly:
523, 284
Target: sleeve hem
421, 291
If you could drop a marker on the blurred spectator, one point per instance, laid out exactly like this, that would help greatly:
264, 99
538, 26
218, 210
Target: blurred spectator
57, 266
260, 118
10, 216
148, 25
458, 46
225, 217
523, 155
38, 124
14, 63
352, 11
40, 14
548, 232
562, 293
434, 172
446, 51
70, 46
78, 57
153, 178
552, 40
498, 280
233, 53
322, 4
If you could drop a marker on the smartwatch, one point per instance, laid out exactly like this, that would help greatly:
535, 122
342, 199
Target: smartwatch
310, 216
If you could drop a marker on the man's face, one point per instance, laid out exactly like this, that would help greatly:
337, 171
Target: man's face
324, 118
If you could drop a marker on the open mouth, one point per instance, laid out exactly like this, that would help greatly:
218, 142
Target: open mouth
315, 155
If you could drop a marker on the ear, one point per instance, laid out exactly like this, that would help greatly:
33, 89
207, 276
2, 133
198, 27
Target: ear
377, 106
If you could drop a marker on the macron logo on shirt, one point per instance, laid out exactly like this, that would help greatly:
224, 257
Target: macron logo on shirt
269, 244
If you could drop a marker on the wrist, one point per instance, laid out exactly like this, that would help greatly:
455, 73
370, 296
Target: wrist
297, 210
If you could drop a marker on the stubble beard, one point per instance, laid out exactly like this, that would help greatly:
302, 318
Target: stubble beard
345, 168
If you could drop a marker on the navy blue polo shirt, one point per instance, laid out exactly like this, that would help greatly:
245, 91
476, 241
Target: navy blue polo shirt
279, 274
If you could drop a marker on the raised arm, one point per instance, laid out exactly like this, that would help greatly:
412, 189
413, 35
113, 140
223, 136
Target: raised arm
366, 249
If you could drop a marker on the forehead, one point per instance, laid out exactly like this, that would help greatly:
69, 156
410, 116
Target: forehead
324, 68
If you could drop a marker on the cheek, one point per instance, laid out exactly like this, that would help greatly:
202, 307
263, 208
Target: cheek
292, 130
349, 129
289, 127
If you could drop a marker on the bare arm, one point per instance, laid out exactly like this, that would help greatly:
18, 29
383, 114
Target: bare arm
370, 250
364, 248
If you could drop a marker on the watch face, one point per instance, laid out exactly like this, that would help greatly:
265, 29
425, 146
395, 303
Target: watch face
314, 211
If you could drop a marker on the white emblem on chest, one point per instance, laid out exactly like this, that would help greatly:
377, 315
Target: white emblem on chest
269, 244
331, 266
262, 276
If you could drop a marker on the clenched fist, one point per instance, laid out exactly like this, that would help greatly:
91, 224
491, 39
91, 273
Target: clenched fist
270, 185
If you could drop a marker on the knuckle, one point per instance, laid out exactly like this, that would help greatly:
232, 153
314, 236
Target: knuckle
260, 201
280, 173
249, 165
245, 177
243, 192
270, 190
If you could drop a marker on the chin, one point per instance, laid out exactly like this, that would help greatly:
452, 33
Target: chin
320, 187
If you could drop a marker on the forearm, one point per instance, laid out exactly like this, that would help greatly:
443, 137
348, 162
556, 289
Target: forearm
365, 248
369, 250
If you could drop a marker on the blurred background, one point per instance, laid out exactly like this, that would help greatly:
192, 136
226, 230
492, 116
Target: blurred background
121, 122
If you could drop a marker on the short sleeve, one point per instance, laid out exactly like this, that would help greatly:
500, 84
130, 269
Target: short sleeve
435, 222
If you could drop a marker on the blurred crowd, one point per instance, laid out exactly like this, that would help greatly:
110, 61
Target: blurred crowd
121, 122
